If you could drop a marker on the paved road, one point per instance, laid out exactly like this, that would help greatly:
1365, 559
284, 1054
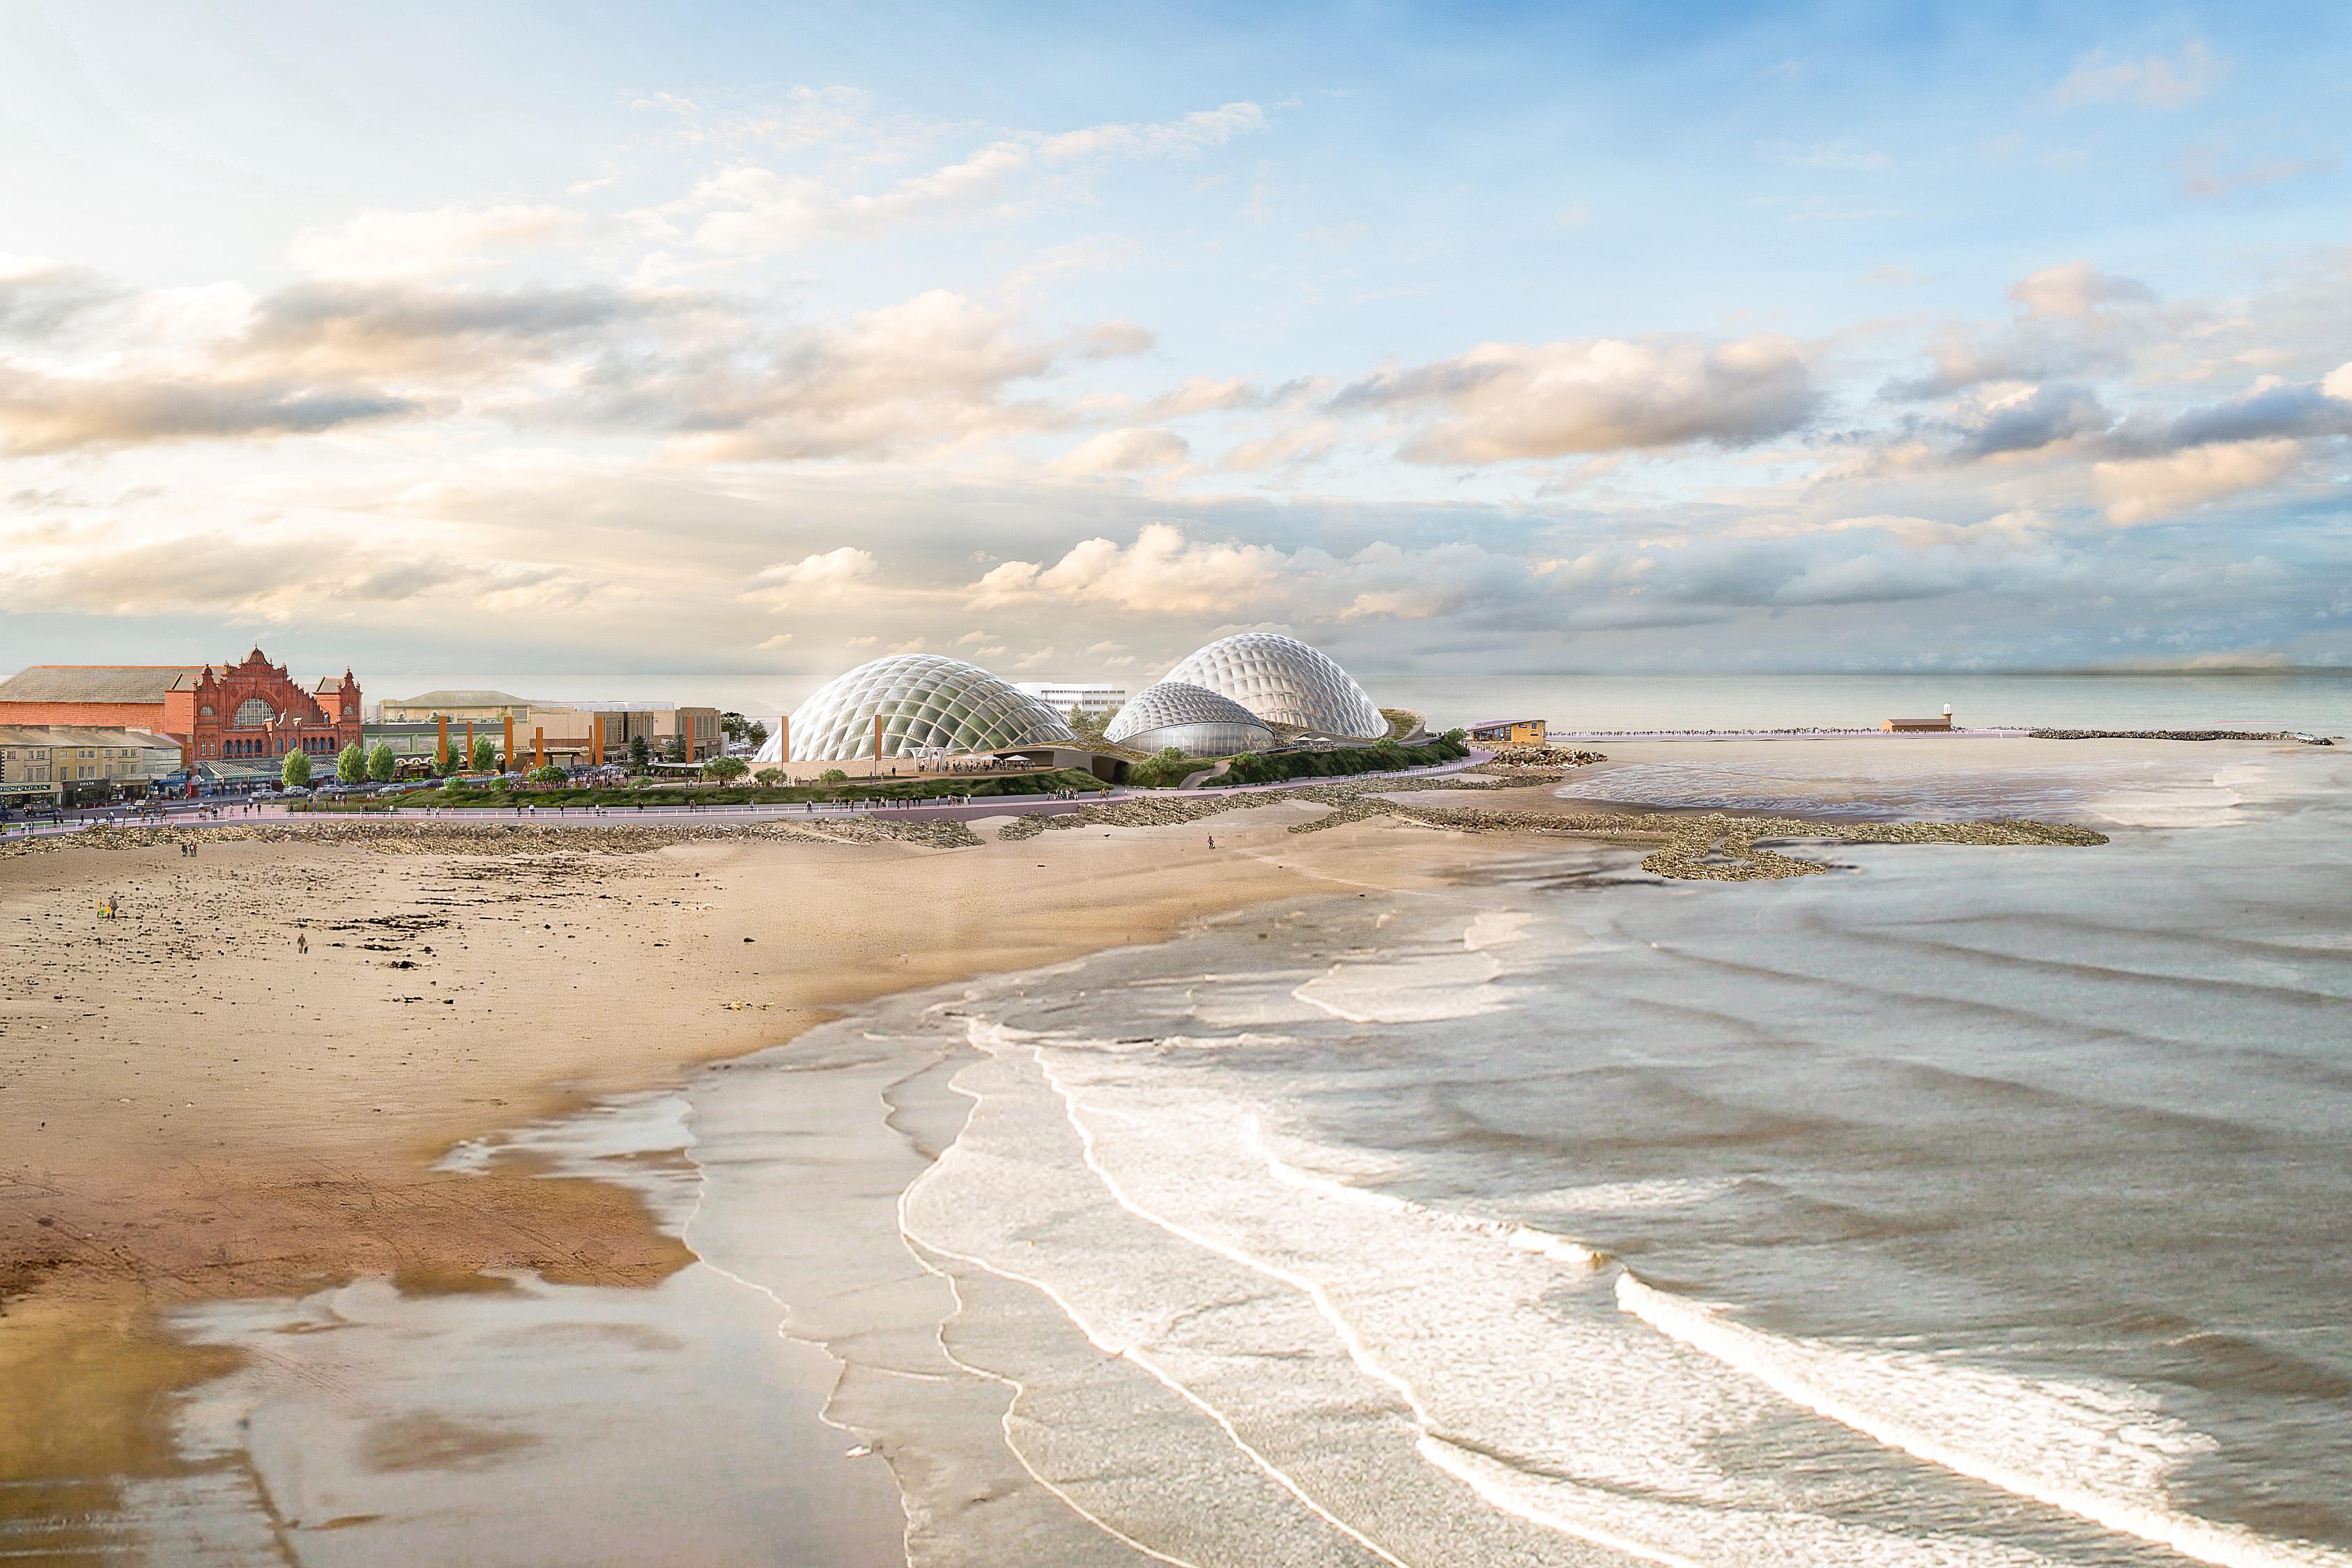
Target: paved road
192, 814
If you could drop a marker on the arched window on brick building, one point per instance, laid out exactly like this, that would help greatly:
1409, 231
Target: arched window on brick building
253, 714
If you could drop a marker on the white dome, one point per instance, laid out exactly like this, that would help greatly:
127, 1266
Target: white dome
1284, 681
1194, 719
924, 702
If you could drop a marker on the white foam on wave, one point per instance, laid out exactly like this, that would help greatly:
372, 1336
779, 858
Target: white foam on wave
2101, 1454
1497, 1345
1423, 988
1498, 928
1624, 1197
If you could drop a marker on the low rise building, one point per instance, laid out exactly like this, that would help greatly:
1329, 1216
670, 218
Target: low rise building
482, 707
1509, 732
72, 764
1093, 699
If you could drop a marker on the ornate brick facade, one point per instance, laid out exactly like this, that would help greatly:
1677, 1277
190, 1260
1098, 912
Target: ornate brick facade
252, 712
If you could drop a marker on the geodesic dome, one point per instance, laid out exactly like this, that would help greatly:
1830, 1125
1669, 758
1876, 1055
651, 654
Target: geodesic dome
925, 702
1194, 719
1284, 681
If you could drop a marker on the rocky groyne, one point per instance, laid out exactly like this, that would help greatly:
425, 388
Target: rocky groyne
2178, 735
1711, 846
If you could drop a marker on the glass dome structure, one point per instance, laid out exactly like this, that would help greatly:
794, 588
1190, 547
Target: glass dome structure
926, 702
1194, 719
1284, 681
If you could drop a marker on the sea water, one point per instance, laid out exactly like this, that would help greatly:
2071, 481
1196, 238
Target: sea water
1964, 1206
2266, 700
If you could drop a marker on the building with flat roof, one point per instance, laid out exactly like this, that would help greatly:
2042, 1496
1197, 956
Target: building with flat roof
64, 765
1091, 698
492, 706
1936, 724
1509, 732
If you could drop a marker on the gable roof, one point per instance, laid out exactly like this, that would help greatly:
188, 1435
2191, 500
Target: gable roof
97, 682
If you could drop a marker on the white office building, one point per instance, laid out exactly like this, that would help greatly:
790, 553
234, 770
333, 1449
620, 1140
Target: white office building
1062, 697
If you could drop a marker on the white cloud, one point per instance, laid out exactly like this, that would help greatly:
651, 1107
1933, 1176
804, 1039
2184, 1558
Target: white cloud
2075, 290
1506, 402
826, 575
750, 208
1124, 452
383, 243
2157, 81
2338, 383
1161, 571
2145, 489
779, 640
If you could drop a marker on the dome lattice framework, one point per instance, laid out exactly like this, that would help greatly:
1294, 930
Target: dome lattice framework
1194, 719
926, 702
1284, 681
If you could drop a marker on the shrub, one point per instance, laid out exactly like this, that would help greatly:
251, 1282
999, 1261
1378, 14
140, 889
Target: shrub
832, 775
549, 774
1166, 770
769, 777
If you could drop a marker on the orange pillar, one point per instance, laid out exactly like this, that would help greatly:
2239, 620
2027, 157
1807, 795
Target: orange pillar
878, 745
441, 750
469, 743
506, 758
538, 747
596, 740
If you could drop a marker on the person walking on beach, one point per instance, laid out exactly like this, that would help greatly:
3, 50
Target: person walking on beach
301, 941
1213, 841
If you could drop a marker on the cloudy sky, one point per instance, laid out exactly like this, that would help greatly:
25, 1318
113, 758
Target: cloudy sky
703, 350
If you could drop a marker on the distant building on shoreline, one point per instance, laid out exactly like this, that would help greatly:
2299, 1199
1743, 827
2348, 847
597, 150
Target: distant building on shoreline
599, 730
248, 714
67, 765
1092, 698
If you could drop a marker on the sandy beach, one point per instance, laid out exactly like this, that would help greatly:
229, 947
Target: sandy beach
195, 1107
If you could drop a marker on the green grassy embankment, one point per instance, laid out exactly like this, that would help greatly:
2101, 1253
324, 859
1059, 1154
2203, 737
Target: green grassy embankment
732, 794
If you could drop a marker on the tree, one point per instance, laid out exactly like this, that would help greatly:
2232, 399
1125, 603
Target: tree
380, 767
350, 764
294, 772
756, 734
1089, 727
641, 755
732, 726
832, 775
550, 774
677, 748
769, 777
725, 770
486, 754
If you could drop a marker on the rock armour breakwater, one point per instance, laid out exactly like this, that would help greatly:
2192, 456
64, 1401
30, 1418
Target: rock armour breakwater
453, 836
2173, 735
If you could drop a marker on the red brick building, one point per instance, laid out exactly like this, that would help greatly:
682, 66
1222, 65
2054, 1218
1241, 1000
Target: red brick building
251, 712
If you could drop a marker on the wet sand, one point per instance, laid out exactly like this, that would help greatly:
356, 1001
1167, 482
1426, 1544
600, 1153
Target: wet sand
193, 1108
